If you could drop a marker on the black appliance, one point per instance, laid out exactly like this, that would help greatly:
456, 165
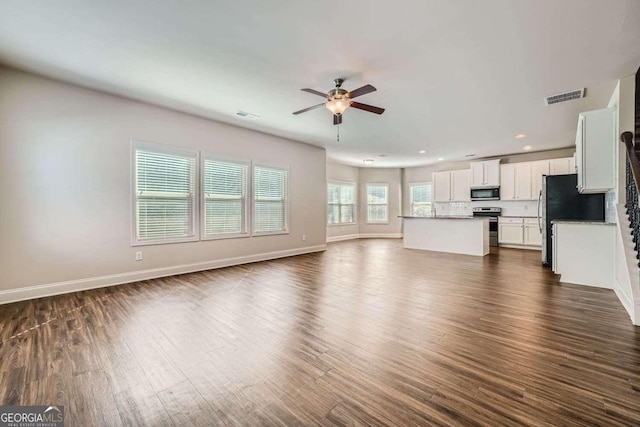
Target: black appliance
560, 200
485, 193
492, 214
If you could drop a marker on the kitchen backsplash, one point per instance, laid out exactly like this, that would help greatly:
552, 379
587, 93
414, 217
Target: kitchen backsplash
511, 208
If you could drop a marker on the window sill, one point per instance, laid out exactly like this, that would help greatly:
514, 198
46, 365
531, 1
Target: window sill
225, 236
342, 224
164, 241
269, 233
377, 222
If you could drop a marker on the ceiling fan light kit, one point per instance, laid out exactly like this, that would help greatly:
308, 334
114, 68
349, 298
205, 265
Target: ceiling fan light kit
338, 100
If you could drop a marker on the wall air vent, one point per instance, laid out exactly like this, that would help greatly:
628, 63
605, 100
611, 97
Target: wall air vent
568, 96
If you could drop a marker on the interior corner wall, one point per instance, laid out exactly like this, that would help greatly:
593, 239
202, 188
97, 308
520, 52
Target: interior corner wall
343, 173
65, 168
392, 176
624, 94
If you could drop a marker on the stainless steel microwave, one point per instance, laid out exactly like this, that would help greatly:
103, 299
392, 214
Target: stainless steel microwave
485, 193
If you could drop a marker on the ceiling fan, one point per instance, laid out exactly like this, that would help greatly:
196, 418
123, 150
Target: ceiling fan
338, 100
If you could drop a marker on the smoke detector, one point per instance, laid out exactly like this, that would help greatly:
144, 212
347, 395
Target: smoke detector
562, 97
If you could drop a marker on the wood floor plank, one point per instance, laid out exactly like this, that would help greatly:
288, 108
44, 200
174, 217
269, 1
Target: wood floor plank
366, 333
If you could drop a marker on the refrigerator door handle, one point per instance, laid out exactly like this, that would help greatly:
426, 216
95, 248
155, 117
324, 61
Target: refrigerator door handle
540, 211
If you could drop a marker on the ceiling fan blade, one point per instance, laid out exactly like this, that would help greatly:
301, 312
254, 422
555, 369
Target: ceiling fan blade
337, 119
361, 91
369, 108
315, 92
308, 109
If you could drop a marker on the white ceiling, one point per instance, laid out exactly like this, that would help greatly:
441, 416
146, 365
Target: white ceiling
456, 76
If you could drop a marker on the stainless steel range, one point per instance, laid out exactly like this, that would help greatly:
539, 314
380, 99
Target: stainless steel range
492, 214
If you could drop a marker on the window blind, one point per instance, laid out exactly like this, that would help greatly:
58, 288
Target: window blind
340, 203
377, 202
164, 195
270, 202
420, 199
224, 198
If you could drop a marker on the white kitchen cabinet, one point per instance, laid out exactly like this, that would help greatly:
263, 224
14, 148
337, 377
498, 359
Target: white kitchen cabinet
532, 235
510, 231
442, 186
460, 186
485, 174
523, 232
523, 181
451, 186
595, 151
507, 182
515, 182
563, 166
582, 253
538, 169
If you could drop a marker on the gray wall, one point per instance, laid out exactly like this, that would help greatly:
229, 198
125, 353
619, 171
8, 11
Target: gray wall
66, 198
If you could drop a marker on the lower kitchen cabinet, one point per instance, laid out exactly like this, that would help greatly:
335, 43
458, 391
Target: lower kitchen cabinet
519, 232
532, 233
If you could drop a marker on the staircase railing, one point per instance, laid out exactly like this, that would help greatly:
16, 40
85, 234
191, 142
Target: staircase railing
632, 188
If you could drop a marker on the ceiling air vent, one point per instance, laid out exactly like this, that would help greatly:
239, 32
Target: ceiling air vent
246, 115
568, 96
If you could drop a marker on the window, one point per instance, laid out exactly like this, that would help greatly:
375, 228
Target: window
420, 198
377, 203
341, 203
224, 198
270, 200
164, 194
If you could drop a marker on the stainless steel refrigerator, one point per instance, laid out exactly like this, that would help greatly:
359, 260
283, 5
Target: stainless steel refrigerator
559, 199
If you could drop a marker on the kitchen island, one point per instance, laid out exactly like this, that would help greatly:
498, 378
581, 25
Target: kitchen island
454, 234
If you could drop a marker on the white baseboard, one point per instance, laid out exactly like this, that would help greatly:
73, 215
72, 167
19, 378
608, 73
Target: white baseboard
365, 236
341, 238
39, 291
626, 301
529, 248
381, 235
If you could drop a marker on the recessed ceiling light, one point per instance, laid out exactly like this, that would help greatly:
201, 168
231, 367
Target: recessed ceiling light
382, 155
440, 159
520, 136
421, 151
527, 147
368, 161
246, 115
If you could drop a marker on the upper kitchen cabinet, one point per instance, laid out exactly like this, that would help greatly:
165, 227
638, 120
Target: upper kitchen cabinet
563, 166
451, 186
442, 186
515, 181
460, 186
538, 169
595, 151
485, 174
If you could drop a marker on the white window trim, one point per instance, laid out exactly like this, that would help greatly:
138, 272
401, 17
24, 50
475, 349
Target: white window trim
366, 189
355, 202
415, 184
287, 204
161, 148
248, 211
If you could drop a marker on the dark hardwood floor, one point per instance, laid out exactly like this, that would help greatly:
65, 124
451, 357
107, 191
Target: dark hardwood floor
367, 333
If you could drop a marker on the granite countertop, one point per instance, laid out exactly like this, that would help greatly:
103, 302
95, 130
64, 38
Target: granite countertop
584, 222
444, 217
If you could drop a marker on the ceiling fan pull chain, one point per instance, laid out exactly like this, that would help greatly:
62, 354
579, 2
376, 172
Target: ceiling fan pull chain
338, 138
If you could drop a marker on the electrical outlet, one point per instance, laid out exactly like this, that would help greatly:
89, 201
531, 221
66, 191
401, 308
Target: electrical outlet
138, 255
304, 237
